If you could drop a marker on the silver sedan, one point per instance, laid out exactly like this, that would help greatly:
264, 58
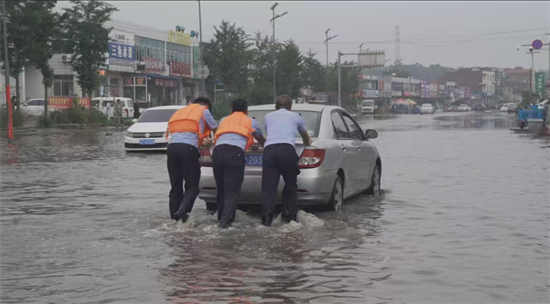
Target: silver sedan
341, 163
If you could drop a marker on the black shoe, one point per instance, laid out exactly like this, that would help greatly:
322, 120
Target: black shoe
177, 216
266, 221
224, 225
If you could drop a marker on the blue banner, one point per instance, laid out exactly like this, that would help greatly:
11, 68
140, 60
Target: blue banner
121, 51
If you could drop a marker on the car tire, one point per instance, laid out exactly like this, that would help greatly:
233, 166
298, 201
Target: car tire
211, 206
375, 184
336, 202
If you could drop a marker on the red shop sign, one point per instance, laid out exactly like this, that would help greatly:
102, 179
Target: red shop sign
180, 69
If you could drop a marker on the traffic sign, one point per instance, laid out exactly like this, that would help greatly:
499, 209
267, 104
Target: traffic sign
537, 44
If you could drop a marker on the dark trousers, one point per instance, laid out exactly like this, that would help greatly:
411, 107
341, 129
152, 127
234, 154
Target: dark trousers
279, 159
183, 165
229, 163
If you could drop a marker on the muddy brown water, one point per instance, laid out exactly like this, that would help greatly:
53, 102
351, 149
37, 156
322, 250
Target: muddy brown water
463, 219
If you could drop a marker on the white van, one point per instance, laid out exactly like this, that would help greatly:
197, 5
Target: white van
367, 106
100, 103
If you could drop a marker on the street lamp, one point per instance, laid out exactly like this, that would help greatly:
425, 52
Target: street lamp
273, 49
326, 42
200, 48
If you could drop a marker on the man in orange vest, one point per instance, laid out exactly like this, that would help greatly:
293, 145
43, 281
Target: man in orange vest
234, 136
189, 127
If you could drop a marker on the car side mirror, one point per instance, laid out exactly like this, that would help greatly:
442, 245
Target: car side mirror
134, 120
371, 134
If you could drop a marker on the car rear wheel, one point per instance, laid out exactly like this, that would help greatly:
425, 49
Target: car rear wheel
374, 188
336, 202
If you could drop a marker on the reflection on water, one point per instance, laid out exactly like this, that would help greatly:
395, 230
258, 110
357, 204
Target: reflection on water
463, 220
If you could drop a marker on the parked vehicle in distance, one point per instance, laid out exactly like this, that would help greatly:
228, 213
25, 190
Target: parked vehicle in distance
100, 103
512, 108
342, 161
542, 104
33, 107
149, 131
367, 106
427, 108
479, 107
505, 107
320, 99
463, 108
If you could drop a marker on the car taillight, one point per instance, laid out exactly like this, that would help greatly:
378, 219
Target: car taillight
311, 158
206, 157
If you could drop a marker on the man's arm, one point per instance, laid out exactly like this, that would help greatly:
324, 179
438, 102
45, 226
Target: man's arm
210, 121
302, 129
258, 133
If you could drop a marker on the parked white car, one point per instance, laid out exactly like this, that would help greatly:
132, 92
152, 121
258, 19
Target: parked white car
33, 107
505, 107
463, 108
100, 103
149, 131
343, 160
367, 106
427, 108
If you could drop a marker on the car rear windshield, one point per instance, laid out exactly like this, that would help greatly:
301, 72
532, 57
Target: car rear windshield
157, 115
311, 119
427, 105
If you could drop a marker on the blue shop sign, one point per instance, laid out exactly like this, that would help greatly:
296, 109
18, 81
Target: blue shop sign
121, 51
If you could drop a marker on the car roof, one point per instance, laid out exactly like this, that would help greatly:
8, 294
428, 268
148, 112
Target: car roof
295, 107
175, 107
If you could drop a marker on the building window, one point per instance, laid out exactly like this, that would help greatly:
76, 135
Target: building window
178, 53
63, 85
151, 48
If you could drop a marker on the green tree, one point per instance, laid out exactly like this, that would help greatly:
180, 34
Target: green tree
289, 65
312, 73
88, 39
261, 71
228, 56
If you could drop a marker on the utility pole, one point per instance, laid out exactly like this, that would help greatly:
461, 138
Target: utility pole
7, 67
200, 48
326, 42
274, 50
339, 80
532, 83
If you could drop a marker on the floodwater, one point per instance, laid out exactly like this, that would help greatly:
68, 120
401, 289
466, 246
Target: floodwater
464, 219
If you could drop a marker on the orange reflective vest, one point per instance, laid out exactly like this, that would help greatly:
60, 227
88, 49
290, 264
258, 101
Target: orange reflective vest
238, 123
187, 120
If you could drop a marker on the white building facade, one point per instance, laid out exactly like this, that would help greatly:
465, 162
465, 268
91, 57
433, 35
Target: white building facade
151, 66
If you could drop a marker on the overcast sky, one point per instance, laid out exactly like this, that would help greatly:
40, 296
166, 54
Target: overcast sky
449, 33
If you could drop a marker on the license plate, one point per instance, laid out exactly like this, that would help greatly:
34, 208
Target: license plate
253, 160
146, 142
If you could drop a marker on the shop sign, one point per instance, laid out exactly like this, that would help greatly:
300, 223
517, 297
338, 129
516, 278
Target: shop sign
121, 51
165, 82
370, 93
152, 65
65, 103
179, 38
180, 69
121, 37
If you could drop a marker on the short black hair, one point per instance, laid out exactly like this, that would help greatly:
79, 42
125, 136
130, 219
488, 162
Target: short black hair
239, 105
283, 101
204, 101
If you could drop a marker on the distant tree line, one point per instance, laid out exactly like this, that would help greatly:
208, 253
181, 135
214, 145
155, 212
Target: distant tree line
244, 64
33, 25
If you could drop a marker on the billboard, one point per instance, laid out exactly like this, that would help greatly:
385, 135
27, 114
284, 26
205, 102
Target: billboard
65, 103
152, 65
372, 59
180, 69
539, 84
180, 38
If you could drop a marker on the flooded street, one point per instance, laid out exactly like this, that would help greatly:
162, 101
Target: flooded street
464, 219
